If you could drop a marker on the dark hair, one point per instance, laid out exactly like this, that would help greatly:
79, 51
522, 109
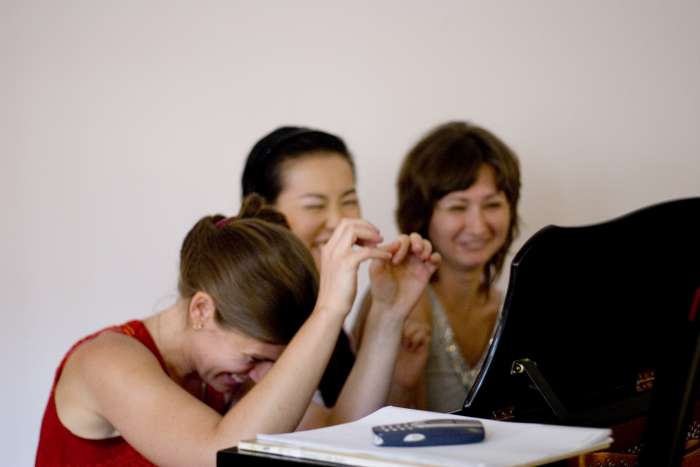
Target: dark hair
261, 277
448, 159
262, 172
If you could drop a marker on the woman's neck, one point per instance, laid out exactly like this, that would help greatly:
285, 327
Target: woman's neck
168, 328
460, 291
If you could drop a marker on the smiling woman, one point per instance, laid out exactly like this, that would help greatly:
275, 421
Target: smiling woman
458, 187
309, 176
319, 191
198, 376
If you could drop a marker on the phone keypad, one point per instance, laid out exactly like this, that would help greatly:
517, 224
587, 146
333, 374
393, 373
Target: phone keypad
395, 427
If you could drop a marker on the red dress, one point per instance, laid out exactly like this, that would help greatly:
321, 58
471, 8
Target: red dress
59, 447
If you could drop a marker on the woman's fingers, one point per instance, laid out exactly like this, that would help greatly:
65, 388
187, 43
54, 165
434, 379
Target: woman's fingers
413, 244
436, 259
416, 244
427, 250
352, 242
392, 247
415, 335
356, 232
420, 246
364, 253
351, 235
398, 250
404, 244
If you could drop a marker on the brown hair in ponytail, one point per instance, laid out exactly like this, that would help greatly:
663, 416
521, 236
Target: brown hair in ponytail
260, 276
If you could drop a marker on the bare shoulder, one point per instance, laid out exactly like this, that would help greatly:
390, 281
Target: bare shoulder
104, 363
111, 361
110, 351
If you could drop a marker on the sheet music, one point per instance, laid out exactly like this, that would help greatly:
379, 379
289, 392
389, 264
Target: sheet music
505, 444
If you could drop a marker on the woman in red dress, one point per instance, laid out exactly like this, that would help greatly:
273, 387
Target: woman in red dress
198, 377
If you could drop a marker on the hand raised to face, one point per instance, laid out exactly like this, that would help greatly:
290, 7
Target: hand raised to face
399, 282
353, 242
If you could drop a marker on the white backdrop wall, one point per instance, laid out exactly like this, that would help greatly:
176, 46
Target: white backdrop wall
124, 122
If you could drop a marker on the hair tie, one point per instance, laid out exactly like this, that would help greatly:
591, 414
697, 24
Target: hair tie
222, 222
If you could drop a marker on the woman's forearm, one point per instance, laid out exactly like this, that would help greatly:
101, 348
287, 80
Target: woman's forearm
367, 386
278, 402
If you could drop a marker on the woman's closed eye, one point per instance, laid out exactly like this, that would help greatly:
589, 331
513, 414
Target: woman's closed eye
253, 360
314, 207
494, 205
456, 207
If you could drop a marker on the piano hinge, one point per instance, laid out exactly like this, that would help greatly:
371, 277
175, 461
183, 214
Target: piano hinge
529, 368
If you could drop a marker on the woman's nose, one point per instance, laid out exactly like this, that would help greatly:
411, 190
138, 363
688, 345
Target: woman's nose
475, 220
333, 217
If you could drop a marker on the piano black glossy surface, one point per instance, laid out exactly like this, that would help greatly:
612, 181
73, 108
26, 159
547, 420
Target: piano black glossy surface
598, 309
232, 458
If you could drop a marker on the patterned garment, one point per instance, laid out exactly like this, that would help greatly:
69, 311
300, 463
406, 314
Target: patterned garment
448, 376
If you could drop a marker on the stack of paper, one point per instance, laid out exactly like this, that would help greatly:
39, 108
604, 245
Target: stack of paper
505, 444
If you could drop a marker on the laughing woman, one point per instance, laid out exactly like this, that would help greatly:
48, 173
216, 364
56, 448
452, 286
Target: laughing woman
458, 187
309, 176
225, 362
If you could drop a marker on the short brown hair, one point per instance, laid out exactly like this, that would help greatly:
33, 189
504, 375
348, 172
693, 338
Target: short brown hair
448, 159
261, 277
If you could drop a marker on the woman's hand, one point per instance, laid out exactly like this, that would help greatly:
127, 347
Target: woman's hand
399, 276
413, 354
352, 242
398, 283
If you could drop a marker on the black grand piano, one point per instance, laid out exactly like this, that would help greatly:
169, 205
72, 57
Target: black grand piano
599, 328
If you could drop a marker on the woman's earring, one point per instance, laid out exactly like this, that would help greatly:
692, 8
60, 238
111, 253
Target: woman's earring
197, 326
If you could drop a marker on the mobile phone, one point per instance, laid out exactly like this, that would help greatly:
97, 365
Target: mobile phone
434, 432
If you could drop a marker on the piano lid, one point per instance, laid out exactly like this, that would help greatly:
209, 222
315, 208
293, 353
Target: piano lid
595, 308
